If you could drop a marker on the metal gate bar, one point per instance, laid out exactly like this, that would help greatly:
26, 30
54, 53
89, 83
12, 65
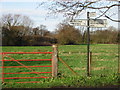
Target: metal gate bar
4, 53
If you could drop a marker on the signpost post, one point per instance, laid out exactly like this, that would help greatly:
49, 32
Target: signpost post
94, 23
88, 45
119, 39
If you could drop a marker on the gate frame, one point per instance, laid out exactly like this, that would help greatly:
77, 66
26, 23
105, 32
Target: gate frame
54, 62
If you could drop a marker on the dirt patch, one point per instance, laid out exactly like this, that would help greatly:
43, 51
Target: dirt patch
76, 68
98, 68
96, 53
95, 68
103, 60
78, 53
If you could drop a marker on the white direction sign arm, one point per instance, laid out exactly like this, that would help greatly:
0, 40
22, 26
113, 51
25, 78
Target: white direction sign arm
93, 22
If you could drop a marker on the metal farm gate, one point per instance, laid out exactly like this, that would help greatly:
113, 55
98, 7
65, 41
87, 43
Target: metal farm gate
11, 74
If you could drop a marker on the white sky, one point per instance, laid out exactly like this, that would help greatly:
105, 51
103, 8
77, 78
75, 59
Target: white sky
23, 0
39, 15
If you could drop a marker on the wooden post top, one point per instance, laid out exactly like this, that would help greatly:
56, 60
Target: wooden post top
54, 46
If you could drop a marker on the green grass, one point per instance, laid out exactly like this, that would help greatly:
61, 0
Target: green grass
104, 66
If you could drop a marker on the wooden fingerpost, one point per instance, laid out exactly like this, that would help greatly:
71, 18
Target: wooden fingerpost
91, 60
55, 61
89, 65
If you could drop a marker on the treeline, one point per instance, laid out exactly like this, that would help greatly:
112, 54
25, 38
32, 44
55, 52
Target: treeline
17, 30
67, 34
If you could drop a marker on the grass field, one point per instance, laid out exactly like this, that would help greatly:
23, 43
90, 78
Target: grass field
104, 66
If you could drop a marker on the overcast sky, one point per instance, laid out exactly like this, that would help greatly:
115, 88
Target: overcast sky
38, 15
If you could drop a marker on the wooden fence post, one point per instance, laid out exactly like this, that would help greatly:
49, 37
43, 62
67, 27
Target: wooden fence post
55, 61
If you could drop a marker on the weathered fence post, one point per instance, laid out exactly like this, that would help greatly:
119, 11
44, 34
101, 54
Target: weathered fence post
55, 61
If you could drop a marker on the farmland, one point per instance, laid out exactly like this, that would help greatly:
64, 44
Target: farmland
103, 71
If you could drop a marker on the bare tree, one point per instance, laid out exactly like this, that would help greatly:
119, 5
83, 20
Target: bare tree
43, 30
73, 8
14, 28
26, 21
10, 20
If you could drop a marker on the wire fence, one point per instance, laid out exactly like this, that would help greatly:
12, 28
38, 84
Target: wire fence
104, 59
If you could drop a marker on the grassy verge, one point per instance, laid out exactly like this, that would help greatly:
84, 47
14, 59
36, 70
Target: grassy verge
77, 81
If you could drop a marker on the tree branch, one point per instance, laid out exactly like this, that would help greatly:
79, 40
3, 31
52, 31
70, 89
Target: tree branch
74, 8
103, 13
105, 7
112, 19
